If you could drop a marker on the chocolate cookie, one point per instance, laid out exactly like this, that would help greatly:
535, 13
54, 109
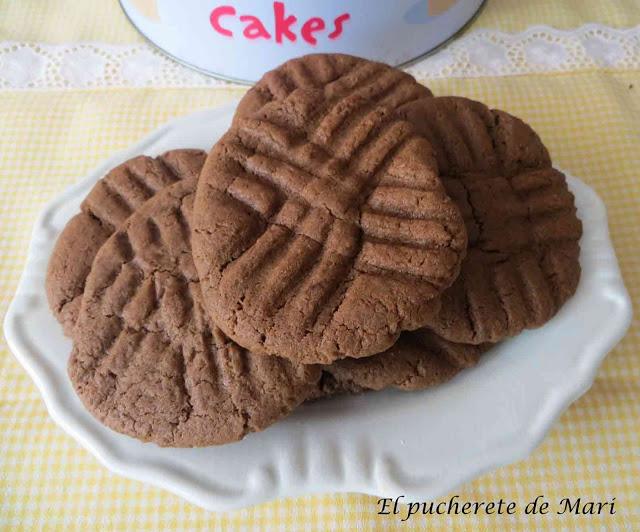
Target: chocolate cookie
341, 74
108, 205
522, 263
322, 229
146, 361
417, 360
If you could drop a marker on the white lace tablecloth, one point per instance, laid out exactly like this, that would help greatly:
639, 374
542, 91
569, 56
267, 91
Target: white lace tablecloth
478, 53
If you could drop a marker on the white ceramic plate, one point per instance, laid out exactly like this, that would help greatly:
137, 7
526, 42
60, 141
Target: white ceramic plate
419, 444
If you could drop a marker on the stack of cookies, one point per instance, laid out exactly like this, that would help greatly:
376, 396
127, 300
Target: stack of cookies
350, 232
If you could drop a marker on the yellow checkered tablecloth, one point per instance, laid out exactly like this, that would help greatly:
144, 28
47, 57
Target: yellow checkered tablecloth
49, 139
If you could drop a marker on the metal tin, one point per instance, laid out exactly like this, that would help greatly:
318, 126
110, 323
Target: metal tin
242, 39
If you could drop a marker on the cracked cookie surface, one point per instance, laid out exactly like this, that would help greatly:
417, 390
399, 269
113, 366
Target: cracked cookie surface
522, 262
322, 229
345, 75
109, 203
418, 360
146, 361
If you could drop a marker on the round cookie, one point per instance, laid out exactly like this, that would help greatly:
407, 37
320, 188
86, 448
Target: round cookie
517, 210
345, 75
418, 359
109, 203
322, 229
146, 361
523, 258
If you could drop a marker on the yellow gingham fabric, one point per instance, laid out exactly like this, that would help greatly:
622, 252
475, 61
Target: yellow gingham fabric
49, 139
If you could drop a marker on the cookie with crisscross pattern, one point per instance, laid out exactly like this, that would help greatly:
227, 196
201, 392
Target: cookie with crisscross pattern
109, 203
322, 229
146, 360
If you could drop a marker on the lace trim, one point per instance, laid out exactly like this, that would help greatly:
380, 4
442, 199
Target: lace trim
477, 53
538, 49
